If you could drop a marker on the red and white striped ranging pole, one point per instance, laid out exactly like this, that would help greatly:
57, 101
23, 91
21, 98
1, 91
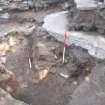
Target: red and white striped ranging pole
65, 46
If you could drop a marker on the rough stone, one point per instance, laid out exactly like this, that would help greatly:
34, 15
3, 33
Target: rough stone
25, 28
91, 92
80, 55
8, 80
7, 99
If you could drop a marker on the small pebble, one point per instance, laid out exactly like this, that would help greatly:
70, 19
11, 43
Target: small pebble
75, 82
87, 78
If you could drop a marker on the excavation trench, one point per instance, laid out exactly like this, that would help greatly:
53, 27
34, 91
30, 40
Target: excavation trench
48, 82
31, 47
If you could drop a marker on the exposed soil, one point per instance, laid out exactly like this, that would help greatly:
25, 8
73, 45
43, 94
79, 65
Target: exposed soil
49, 82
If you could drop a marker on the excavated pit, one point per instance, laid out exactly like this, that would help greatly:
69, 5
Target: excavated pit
48, 82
